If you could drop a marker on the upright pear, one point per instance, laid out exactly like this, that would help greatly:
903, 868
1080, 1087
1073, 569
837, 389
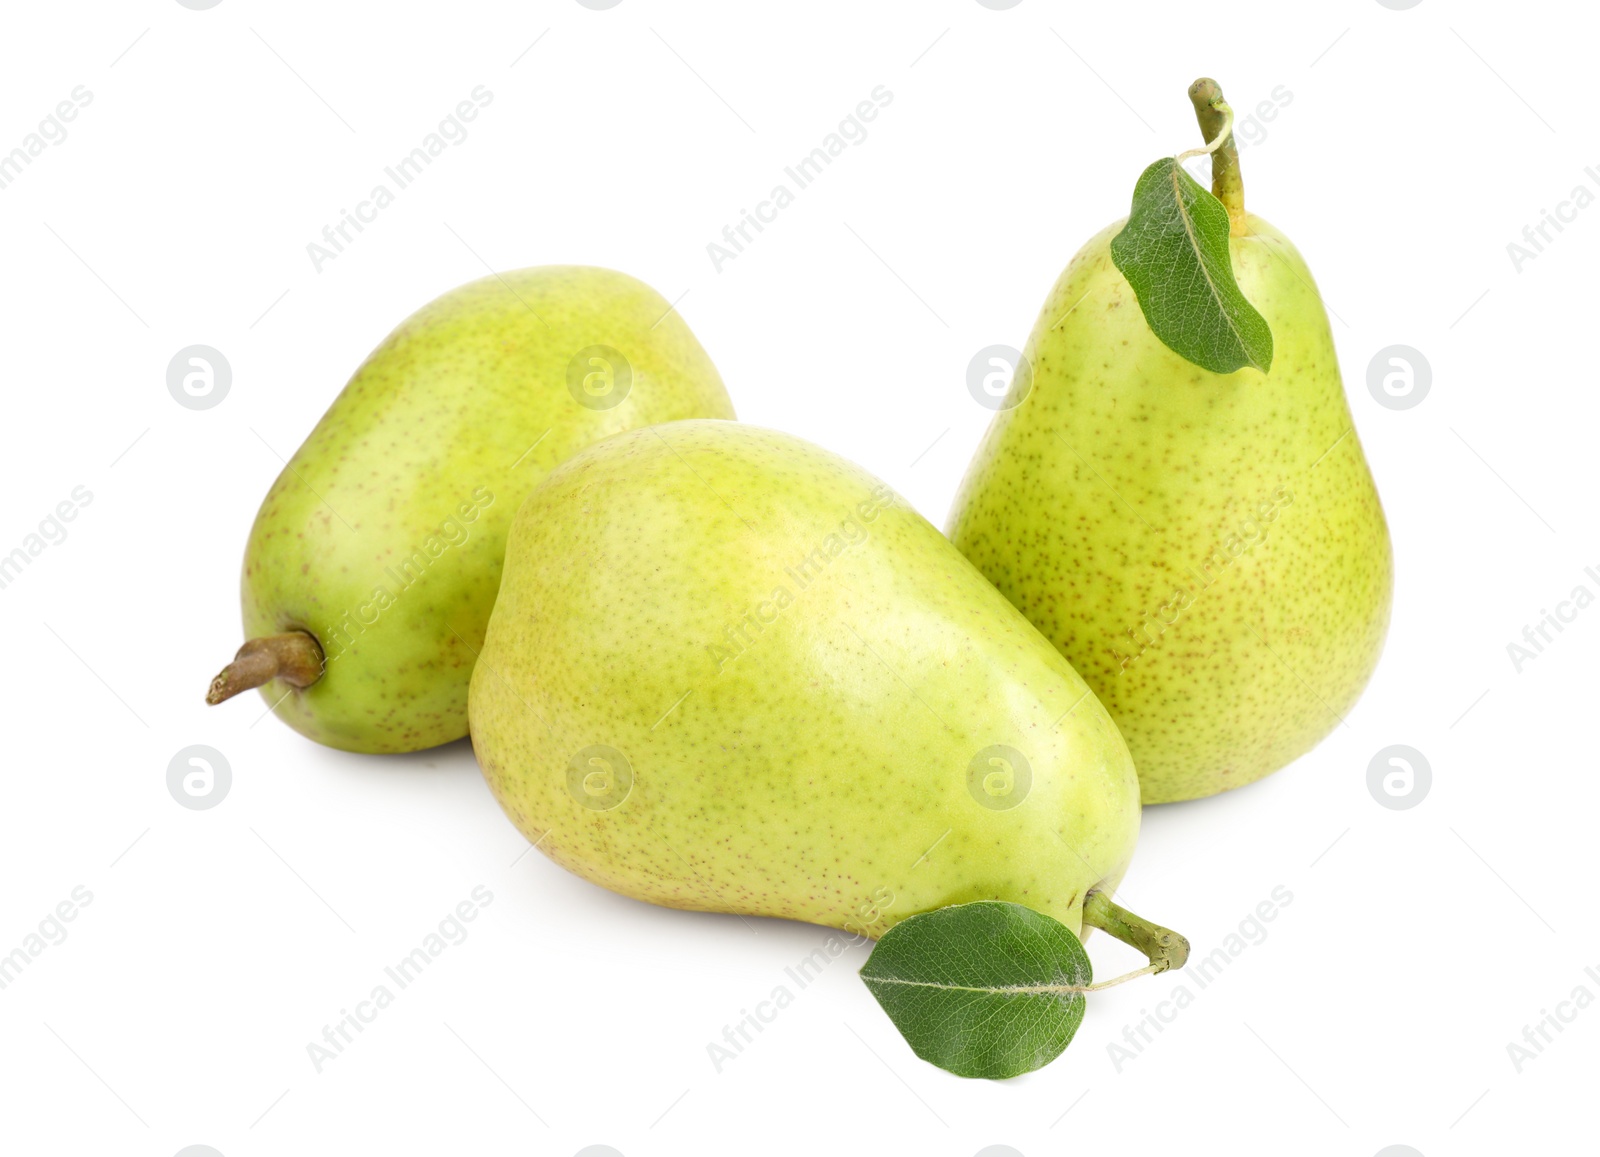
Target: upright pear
730, 671
373, 564
1207, 549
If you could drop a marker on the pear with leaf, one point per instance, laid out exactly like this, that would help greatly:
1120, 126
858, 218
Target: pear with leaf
729, 671
1177, 497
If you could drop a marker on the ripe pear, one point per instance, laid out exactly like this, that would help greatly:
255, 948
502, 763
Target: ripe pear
730, 671
1208, 550
373, 564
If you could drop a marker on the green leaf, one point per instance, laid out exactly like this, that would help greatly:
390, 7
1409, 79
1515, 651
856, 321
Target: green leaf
1174, 252
974, 988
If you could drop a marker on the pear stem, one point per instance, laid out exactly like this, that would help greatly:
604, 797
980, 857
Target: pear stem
296, 658
1163, 947
1216, 125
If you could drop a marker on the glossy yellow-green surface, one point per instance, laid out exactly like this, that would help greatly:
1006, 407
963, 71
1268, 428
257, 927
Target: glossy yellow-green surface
384, 535
1208, 550
731, 671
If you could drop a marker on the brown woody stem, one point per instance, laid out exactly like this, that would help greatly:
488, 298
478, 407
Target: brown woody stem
295, 657
1214, 116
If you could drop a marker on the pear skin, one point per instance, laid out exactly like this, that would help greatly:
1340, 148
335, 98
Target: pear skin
730, 671
382, 540
1208, 550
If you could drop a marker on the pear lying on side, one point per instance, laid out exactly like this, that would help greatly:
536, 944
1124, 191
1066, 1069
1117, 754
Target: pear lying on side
730, 671
373, 564
1207, 549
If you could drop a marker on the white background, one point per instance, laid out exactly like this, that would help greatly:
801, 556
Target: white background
218, 943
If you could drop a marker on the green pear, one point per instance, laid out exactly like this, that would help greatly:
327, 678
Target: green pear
730, 671
375, 558
1208, 550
